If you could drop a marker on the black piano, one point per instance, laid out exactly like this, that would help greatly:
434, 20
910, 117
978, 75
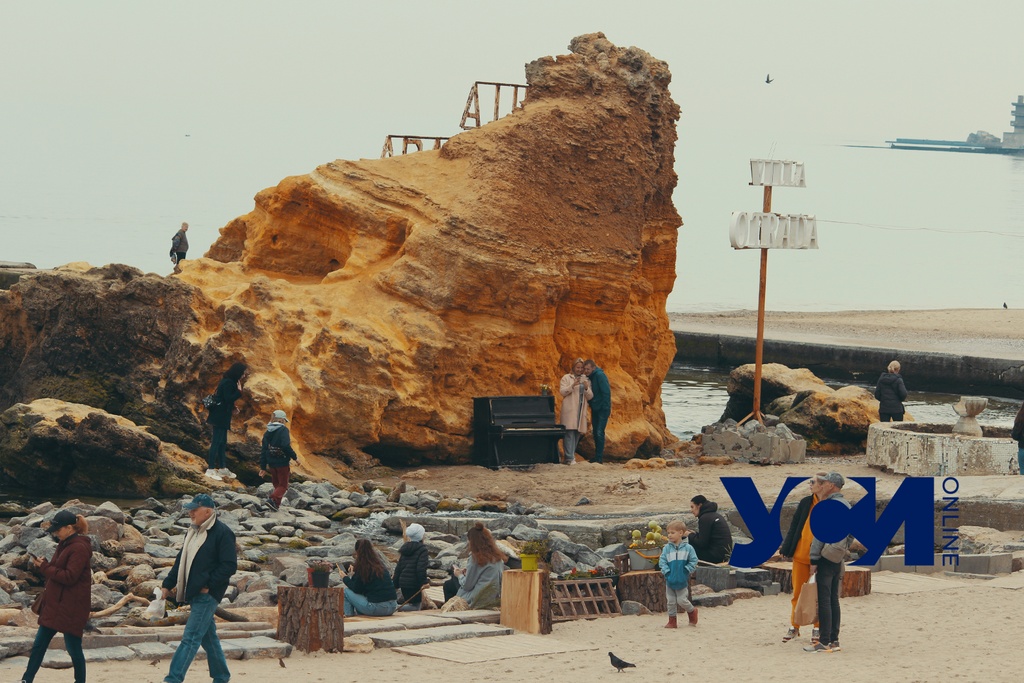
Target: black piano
515, 431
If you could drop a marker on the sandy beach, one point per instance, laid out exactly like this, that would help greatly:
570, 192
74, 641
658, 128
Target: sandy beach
959, 629
990, 333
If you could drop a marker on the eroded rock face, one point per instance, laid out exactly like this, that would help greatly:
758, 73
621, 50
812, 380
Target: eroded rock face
57, 447
380, 296
373, 299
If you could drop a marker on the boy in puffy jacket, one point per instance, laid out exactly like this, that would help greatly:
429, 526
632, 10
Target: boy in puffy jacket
678, 560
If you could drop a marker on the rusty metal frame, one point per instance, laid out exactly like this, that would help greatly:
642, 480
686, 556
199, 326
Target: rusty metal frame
472, 110
409, 141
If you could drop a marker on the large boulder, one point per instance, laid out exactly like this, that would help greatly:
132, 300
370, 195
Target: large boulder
51, 447
374, 299
834, 421
777, 381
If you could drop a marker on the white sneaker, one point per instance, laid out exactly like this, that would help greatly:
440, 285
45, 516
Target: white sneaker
226, 473
212, 474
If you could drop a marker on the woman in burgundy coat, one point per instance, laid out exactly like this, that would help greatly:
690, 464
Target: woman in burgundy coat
65, 601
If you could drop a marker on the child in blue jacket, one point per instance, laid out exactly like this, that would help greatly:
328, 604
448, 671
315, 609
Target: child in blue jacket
678, 560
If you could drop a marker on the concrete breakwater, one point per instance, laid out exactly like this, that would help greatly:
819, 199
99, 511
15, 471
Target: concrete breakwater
942, 372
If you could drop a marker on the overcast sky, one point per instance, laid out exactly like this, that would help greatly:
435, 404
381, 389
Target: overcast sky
182, 109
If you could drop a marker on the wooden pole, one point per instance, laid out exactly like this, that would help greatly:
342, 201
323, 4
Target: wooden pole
759, 352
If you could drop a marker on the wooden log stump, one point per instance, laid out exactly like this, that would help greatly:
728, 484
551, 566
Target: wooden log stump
526, 601
646, 587
856, 580
311, 619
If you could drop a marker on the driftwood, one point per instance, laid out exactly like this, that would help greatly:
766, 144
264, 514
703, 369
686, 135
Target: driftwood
119, 604
311, 618
228, 615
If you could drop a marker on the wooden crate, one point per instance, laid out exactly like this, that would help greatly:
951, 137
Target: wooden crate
583, 599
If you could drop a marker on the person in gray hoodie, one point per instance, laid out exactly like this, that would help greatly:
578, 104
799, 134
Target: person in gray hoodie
828, 572
891, 392
276, 456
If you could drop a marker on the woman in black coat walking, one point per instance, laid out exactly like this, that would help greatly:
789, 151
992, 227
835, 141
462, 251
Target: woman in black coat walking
891, 392
229, 390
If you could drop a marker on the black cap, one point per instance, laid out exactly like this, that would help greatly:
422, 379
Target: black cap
62, 519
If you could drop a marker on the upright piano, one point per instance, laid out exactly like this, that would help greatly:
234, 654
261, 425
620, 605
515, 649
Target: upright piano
515, 431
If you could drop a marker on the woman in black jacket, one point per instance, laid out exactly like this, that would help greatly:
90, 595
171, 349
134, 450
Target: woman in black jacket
368, 588
891, 392
713, 539
229, 390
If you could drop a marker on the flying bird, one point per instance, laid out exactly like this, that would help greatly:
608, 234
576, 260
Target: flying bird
768, 78
619, 664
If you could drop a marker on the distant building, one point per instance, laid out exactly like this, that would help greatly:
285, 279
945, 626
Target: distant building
981, 141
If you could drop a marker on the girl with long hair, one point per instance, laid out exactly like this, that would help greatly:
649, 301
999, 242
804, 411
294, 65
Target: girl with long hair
368, 586
481, 579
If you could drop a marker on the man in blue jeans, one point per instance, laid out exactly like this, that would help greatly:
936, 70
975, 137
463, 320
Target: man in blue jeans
600, 405
200, 577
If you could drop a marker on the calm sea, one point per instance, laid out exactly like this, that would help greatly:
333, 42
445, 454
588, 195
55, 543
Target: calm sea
693, 397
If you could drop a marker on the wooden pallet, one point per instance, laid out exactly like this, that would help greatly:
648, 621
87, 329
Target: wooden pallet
583, 600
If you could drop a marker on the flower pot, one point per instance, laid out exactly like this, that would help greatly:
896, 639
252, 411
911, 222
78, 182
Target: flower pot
643, 559
529, 562
318, 579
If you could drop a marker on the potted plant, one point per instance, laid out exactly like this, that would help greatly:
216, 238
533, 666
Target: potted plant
531, 552
319, 573
545, 390
645, 549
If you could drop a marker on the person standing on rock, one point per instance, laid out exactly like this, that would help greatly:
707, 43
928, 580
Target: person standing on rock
276, 456
827, 565
797, 547
891, 393
712, 540
600, 405
200, 577
575, 390
179, 247
229, 390
64, 604
1018, 435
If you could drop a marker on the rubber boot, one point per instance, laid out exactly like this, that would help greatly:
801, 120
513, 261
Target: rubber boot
692, 616
671, 623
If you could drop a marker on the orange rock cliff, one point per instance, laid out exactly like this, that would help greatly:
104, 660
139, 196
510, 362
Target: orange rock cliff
373, 299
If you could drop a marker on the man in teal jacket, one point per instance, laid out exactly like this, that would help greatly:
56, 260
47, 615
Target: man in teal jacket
600, 405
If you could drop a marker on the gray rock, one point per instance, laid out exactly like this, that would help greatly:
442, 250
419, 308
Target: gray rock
160, 551
260, 598
295, 575
103, 528
42, 547
610, 551
255, 555
561, 563
282, 531
632, 607
525, 533
24, 535
110, 511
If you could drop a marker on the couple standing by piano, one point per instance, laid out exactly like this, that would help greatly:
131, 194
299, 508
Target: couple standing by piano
584, 383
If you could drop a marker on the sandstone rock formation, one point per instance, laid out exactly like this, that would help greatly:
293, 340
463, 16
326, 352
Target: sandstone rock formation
373, 299
831, 420
56, 447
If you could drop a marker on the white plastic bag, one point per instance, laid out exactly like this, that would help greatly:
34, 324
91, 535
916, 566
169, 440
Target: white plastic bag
157, 607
